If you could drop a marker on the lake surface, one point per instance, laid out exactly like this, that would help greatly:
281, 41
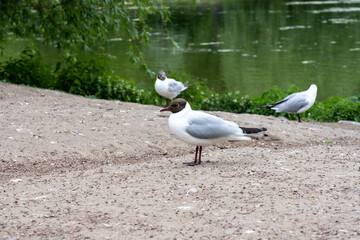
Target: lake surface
252, 46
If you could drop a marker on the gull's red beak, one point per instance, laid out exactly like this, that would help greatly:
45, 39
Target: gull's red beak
164, 109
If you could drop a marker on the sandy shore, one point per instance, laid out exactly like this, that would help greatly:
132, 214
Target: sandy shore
78, 168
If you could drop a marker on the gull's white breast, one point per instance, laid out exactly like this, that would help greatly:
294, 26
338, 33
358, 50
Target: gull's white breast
161, 87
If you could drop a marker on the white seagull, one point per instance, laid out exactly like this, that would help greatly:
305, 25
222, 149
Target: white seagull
168, 87
202, 129
296, 103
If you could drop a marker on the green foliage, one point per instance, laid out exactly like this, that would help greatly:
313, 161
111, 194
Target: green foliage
28, 70
82, 24
92, 77
335, 109
82, 77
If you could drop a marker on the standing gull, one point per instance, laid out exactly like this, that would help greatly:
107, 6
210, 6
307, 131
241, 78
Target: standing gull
296, 103
168, 87
202, 129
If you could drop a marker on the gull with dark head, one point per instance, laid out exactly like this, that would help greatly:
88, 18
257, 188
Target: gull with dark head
202, 129
168, 87
296, 103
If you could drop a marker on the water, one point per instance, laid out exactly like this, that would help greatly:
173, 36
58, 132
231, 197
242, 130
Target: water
253, 45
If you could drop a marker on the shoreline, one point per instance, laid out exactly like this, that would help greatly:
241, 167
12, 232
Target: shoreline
76, 167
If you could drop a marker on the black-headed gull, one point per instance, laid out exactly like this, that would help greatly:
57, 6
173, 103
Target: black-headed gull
168, 87
296, 103
202, 129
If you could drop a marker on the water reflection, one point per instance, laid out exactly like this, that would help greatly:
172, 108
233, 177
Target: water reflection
323, 2
253, 45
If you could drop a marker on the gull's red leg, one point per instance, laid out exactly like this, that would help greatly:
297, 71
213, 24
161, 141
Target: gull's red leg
196, 154
195, 160
200, 151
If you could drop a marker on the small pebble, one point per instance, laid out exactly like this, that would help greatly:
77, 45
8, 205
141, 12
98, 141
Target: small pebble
230, 230
192, 190
16, 180
184, 207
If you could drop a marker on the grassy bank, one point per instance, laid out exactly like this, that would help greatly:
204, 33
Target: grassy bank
93, 78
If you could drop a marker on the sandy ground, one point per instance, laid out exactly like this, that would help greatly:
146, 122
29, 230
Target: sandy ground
78, 168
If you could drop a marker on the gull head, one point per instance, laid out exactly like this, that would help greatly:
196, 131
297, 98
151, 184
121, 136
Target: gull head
161, 75
176, 106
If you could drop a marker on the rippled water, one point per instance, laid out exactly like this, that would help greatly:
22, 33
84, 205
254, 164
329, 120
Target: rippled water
253, 45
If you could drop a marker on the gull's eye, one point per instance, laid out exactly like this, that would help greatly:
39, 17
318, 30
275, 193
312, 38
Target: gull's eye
176, 105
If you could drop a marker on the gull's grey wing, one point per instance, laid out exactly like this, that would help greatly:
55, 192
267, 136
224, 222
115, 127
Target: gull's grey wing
175, 86
285, 99
274, 106
208, 127
293, 104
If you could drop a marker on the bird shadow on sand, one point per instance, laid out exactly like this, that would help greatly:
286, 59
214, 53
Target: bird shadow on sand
210, 162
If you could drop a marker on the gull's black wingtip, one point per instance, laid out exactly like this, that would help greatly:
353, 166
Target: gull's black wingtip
266, 107
253, 130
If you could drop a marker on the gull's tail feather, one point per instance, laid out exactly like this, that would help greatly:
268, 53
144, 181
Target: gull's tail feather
268, 106
253, 130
